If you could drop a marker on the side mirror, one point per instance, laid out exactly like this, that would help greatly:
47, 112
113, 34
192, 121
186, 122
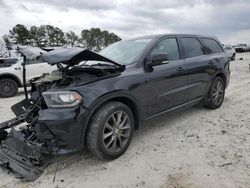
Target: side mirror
157, 59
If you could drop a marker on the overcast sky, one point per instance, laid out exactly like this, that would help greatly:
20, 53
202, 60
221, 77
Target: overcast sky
227, 19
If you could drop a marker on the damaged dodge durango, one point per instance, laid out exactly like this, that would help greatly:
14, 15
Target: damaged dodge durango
95, 101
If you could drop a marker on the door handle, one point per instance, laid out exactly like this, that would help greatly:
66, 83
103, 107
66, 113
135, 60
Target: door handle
213, 61
180, 69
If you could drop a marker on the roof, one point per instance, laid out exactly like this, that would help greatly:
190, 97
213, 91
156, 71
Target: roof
156, 36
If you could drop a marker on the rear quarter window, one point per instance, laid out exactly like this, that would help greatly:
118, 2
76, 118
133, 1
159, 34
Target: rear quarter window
192, 47
212, 46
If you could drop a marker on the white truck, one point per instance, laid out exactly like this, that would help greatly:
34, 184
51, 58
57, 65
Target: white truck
11, 73
231, 53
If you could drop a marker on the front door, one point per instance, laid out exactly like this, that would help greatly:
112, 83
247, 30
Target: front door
165, 86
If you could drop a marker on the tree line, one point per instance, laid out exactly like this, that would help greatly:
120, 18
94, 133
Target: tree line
93, 39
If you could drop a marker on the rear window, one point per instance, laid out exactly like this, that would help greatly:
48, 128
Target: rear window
212, 45
192, 47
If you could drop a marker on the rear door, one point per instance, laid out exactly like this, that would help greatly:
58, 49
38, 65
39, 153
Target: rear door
199, 65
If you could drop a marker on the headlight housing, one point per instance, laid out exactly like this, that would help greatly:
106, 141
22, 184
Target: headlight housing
62, 99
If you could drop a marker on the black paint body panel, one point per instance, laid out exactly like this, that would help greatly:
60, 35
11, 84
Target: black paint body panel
167, 87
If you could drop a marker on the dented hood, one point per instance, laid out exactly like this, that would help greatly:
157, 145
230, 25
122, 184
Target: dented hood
73, 56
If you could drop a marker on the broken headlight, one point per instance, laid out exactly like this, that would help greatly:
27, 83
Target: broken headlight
62, 99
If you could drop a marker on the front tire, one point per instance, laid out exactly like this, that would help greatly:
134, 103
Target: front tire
110, 130
8, 88
216, 94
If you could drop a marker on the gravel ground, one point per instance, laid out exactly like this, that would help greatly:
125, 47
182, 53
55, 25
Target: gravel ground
193, 148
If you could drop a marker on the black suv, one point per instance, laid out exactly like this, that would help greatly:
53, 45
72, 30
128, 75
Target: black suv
98, 100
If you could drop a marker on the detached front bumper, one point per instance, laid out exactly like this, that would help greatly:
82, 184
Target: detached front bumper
27, 152
23, 159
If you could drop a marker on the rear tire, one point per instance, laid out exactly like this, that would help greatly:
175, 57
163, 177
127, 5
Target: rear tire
233, 57
216, 94
8, 88
110, 130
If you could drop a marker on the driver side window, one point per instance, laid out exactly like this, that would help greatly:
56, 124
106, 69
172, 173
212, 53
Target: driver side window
168, 46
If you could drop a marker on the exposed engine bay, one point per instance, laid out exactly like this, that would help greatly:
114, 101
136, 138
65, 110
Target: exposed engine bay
69, 77
27, 143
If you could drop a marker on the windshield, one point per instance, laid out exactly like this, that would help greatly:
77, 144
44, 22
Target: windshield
124, 52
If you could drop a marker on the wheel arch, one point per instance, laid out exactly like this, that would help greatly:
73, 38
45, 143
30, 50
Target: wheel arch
13, 77
219, 74
222, 75
118, 97
132, 105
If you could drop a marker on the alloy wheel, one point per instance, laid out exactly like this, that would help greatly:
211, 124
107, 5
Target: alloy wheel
218, 92
6, 88
116, 131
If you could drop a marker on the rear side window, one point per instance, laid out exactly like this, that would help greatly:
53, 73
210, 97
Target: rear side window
212, 45
168, 46
192, 47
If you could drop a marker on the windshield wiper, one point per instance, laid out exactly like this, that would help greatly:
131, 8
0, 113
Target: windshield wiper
120, 67
104, 65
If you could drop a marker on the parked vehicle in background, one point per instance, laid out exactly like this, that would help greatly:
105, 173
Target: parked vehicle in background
231, 53
11, 72
240, 47
248, 48
96, 101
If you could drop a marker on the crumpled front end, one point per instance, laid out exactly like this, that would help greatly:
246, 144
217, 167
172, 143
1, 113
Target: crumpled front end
52, 121
21, 151
37, 135
26, 158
